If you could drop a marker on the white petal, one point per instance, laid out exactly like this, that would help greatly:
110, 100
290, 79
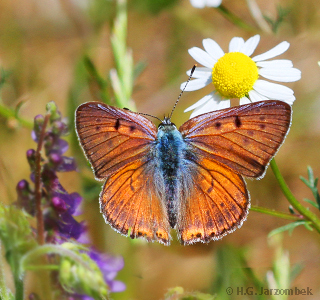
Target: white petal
290, 100
244, 100
282, 75
236, 44
213, 3
213, 48
255, 96
195, 84
215, 103
202, 57
201, 72
250, 45
199, 103
276, 63
198, 3
273, 90
275, 51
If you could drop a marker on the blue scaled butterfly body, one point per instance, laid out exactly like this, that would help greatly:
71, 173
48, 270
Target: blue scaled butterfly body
174, 165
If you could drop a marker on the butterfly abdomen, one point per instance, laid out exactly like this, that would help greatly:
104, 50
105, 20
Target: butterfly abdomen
170, 151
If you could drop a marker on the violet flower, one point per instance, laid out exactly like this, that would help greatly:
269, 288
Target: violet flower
58, 206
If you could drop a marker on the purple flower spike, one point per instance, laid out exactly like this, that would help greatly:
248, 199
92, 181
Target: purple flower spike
57, 205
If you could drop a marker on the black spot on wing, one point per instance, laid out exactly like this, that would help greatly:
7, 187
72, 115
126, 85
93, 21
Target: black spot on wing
217, 125
117, 125
237, 121
210, 189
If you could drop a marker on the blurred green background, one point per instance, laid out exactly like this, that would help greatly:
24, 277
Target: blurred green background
43, 45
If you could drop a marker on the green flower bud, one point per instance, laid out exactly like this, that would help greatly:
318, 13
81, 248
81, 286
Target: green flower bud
82, 277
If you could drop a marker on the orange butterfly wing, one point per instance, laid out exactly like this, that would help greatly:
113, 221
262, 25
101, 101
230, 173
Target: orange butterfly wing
225, 145
216, 205
118, 144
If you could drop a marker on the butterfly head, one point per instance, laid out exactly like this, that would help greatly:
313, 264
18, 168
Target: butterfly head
166, 123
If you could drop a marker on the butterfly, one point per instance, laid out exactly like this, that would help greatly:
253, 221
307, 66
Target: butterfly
189, 179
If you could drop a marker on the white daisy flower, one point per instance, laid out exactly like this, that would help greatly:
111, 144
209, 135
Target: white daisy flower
203, 3
236, 74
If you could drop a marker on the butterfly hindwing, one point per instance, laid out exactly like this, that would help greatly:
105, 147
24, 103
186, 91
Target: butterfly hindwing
217, 204
118, 144
244, 138
130, 203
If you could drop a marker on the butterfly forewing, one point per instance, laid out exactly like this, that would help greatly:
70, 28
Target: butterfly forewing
112, 138
118, 144
244, 138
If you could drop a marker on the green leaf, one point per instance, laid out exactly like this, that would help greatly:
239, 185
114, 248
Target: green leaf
138, 69
289, 227
97, 81
282, 13
16, 235
312, 203
232, 271
312, 183
178, 293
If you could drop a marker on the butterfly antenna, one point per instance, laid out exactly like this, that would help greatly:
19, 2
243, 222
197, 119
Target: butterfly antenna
192, 70
143, 114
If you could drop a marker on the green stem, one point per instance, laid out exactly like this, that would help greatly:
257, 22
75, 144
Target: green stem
18, 283
274, 213
291, 198
4, 293
10, 113
46, 267
39, 251
234, 19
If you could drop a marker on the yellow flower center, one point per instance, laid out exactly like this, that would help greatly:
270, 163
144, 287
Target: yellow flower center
234, 75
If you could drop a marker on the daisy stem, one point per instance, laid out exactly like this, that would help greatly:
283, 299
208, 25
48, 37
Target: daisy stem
310, 216
274, 213
234, 19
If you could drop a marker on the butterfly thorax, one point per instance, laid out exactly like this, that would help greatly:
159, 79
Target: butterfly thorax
170, 151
